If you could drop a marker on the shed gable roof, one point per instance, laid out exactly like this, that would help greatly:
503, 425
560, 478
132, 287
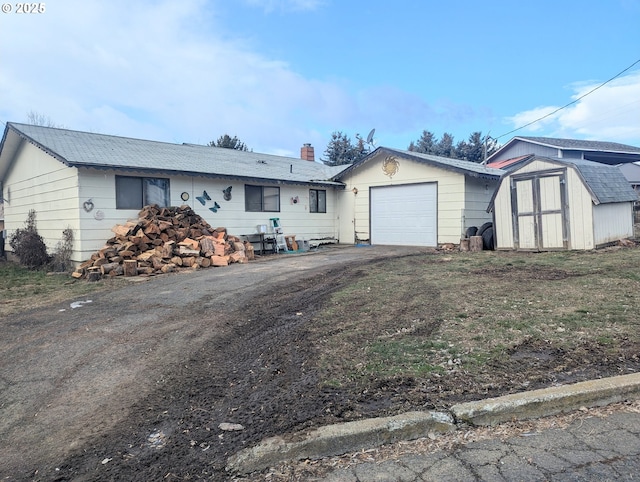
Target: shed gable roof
100, 151
606, 184
463, 167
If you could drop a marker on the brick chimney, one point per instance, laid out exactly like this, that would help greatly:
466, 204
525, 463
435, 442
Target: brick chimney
306, 153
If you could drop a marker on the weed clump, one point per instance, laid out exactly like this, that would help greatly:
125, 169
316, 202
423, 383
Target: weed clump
61, 259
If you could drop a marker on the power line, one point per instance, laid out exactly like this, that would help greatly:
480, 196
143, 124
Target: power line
572, 102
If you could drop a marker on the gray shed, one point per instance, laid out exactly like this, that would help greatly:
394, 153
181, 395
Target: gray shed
553, 204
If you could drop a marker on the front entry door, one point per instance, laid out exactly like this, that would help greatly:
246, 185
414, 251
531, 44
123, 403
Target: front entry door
540, 210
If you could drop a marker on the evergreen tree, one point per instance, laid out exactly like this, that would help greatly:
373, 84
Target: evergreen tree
229, 142
340, 150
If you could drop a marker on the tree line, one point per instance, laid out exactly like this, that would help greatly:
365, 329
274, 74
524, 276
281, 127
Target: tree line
341, 149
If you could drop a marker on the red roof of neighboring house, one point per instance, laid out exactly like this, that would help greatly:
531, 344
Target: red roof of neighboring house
508, 162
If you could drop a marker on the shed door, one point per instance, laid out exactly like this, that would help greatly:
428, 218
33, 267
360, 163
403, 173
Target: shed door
540, 220
405, 214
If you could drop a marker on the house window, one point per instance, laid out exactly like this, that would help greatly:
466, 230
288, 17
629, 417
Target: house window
262, 199
136, 192
317, 201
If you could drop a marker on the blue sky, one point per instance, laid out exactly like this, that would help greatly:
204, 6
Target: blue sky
280, 73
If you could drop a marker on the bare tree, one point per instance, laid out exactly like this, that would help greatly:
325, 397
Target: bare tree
38, 119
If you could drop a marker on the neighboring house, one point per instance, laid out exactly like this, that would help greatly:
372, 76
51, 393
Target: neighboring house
611, 153
549, 203
407, 198
91, 182
632, 172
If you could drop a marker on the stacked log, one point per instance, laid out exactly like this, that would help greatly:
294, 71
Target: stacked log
163, 240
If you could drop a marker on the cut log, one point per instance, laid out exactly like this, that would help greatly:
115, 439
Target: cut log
203, 262
475, 243
151, 228
157, 263
117, 271
168, 268
190, 243
100, 261
188, 261
146, 256
120, 230
249, 251
86, 264
207, 244
219, 261
177, 260
107, 268
164, 225
167, 249
237, 257
464, 244
219, 249
130, 267
185, 251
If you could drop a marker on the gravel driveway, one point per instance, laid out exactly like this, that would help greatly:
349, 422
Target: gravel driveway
72, 373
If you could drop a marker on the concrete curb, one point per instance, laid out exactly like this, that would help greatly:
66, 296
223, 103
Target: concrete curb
548, 401
339, 439
362, 434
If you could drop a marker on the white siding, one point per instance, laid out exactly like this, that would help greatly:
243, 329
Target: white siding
612, 222
295, 218
38, 181
477, 197
521, 148
356, 207
580, 213
503, 216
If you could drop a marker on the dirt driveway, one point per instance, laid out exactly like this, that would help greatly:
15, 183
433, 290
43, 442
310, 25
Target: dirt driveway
97, 389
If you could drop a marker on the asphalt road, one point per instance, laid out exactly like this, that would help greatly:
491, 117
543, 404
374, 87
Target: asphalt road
592, 449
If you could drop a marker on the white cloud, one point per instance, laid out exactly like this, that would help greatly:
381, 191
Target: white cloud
286, 5
167, 70
610, 113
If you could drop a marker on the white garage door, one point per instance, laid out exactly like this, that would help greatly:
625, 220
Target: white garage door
404, 215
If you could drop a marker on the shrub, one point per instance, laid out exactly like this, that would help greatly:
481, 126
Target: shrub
28, 245
61, 260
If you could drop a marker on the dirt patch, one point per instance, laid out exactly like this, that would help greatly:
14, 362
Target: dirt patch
270, 357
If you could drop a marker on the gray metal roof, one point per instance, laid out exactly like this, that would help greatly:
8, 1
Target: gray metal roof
581, 145
464, 167
100, 151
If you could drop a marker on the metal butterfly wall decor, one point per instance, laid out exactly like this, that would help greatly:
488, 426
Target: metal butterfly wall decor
204, 198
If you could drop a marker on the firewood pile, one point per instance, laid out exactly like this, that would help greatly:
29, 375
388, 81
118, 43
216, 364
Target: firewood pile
164, 240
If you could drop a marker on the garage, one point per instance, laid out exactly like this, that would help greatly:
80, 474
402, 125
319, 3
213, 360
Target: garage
405, 214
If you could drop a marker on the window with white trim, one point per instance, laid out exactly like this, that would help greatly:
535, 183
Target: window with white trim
317, 201
136, 192
261, 199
